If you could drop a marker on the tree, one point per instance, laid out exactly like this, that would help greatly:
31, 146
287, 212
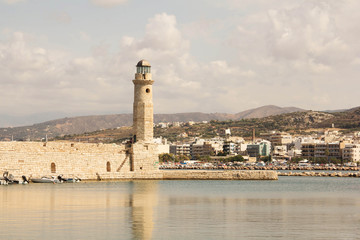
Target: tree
237, 158
181, 157
221, 153
266, 158
205, 158
166, 157
327, 154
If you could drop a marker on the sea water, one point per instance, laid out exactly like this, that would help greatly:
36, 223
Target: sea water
290, 208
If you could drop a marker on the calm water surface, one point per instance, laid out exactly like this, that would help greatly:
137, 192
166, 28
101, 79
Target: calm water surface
291, 208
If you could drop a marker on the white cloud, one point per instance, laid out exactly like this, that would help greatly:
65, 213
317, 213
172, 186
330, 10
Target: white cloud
13, 1
296, 53
84, 36
17, 55
108, 3
62, 17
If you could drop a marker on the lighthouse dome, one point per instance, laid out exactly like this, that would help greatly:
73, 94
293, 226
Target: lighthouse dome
143, 63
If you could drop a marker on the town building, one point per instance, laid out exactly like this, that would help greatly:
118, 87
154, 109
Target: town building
229, 148
180, 149
351, 153
259, 149
322, 150
162, 145
280, 138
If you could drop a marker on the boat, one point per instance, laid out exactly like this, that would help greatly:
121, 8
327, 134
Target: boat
7, 179
69, 179
72, 180
3, 181
24, 180
47, 179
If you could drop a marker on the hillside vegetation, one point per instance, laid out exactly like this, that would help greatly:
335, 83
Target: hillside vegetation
80, 125
297, 122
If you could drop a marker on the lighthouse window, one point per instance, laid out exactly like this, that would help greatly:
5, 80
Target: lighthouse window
53, 168
143, 70
148, 90
108, 167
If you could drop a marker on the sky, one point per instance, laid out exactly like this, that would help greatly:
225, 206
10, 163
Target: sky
78, 57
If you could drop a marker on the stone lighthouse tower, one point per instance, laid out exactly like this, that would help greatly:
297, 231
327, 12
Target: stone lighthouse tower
143, 105
144, 160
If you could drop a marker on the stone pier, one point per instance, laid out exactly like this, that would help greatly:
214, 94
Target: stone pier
219, 175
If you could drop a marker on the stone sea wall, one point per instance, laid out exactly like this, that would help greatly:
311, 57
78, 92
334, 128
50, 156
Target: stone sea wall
85, 160
90, 161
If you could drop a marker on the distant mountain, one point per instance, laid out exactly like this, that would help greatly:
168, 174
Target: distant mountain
260, 112
23, 120
79, 125
336, 110
266, 111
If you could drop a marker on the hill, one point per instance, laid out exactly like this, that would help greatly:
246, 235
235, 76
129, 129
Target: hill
297, 122
79, 125
266, 111
349, 119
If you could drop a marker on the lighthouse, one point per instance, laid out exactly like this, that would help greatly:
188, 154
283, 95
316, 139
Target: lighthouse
144, 159
143, 105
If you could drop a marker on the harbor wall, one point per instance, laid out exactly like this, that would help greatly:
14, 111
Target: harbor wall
91, 161
35, 159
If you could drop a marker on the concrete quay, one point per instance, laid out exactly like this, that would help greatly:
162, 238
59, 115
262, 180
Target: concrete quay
219, 175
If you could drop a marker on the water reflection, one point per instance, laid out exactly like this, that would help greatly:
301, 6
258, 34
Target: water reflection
106, 210
285, 209
142, 202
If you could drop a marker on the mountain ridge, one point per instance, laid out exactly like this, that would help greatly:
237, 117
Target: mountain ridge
295, 123
83, 124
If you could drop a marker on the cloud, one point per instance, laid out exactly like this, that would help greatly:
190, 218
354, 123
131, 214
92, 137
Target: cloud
298, 54
17, 56
62, 17
13, 1
108, 3
304, 37
161, 37
306, 31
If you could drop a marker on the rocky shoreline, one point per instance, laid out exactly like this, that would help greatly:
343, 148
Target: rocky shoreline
274, 168
320, 174
337, 171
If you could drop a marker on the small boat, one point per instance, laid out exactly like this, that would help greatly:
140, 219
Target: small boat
69, 179
8, 179
3, 181
24, 180
47, 179
72, 180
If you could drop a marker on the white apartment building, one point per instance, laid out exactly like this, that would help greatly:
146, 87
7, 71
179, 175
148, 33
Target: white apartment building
163, 146
351, 153
280, 138
303, 139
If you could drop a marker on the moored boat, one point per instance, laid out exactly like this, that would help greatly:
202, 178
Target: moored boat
71, 179
46, 179
7, 179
